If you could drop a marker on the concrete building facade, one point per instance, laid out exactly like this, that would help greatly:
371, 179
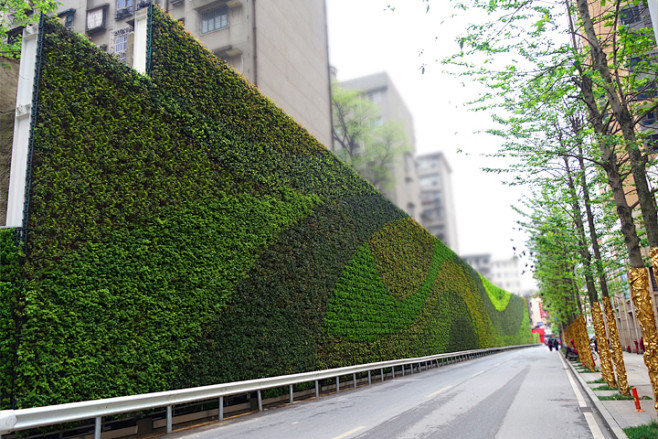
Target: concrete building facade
281, 47
480, 262
436, 198
380, 90
505, 273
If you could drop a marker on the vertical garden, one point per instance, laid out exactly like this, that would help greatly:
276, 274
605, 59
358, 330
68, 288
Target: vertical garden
182, 231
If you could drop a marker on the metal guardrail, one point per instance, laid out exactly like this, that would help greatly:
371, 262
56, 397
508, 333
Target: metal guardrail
15, 420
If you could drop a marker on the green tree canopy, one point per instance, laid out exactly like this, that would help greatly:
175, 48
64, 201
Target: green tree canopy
363, 141
16, 14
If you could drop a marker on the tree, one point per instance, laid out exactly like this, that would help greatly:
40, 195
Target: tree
16, 14
551, 72
364, 142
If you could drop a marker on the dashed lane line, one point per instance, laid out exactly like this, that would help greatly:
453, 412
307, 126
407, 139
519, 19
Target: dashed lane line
348, 433
438, 391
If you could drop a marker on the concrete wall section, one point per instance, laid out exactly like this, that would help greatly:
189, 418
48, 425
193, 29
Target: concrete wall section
292, 51
9, 81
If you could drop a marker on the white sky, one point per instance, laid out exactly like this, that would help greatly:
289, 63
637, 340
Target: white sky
366, 37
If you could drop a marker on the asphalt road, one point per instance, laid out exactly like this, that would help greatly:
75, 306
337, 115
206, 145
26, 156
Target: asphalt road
526, 393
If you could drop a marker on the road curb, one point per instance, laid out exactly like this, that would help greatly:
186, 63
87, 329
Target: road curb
611, 423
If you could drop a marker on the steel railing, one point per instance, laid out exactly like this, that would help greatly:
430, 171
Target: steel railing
15, 420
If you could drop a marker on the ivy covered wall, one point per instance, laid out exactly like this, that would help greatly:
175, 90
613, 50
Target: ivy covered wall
184, 231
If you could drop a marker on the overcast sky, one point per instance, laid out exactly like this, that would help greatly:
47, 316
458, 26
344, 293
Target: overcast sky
366, 37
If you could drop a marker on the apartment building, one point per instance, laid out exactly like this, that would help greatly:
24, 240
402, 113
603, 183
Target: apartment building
437, 211
506, 274
279, 46
380, 90
480, 262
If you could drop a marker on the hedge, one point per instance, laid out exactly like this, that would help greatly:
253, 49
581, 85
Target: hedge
184, 231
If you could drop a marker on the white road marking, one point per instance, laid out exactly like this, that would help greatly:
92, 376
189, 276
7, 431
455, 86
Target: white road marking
579, 396
589, 417
478, 373
438, 391
593, 426
352, 431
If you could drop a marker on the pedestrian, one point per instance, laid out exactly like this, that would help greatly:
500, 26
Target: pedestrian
550, 344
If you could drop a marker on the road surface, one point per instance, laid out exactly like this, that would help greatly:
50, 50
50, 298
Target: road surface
525, 393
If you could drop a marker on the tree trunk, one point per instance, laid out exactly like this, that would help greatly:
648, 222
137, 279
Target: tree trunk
624, 118
611, 334
637, 274
607, 370
639, 278
617, 350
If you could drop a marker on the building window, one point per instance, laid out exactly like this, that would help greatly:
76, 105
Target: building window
121, 4
652, 142
68, 21
121, 43
376, 96
647, 91
15, 35
124, 9
96, 19
631, 14
428, 180
649, 118
214, 19
66, 18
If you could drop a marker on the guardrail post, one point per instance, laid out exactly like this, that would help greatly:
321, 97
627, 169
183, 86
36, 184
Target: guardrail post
393, 372
317, 389
98, 422
369, 378
337, 384
382, 373
354, 379
221, 408
411, 368
291, 394
403, 370
260, 401
169, 419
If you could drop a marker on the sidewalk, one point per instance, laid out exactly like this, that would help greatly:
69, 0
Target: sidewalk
622, 414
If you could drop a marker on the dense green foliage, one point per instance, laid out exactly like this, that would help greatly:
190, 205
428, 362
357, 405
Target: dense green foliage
499, 297
10, 297
184, 231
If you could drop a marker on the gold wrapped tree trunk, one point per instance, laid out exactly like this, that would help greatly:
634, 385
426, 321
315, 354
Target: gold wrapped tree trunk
565, 338
575, 336
639, 278
617, 350
584, 341
607, 372
570, 332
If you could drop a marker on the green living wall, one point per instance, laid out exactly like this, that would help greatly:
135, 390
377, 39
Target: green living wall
184, 231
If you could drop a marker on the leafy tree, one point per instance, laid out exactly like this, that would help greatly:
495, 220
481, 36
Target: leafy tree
530, 57
17, 14
364, 142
